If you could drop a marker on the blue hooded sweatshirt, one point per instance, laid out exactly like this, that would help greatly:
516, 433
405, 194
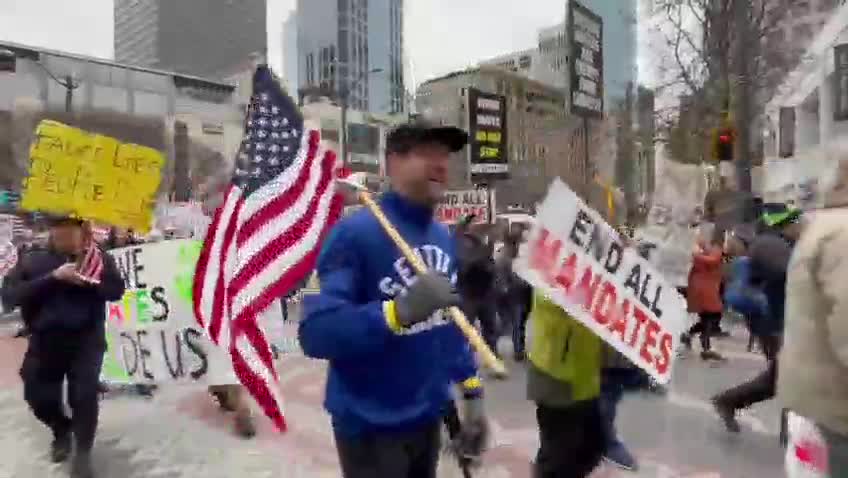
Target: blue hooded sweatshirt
382, 379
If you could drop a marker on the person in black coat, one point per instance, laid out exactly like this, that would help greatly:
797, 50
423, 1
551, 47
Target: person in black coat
67, 317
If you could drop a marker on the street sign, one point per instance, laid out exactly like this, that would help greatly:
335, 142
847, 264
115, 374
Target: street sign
487, 130
586, 61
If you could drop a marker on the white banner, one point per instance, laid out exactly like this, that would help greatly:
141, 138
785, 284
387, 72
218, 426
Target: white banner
798, 181
676, 205
456, 204
580, 263
152, 334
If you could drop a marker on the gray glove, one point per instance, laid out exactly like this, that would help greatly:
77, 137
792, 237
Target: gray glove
429, 293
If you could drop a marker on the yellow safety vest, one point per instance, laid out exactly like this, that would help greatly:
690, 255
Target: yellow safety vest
565, 349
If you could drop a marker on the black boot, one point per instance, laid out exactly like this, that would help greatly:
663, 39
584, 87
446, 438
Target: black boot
60, 449
81, 466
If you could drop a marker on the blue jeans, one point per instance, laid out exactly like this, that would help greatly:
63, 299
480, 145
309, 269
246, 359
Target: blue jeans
614, 382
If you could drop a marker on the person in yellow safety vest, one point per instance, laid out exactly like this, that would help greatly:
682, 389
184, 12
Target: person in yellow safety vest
564, 379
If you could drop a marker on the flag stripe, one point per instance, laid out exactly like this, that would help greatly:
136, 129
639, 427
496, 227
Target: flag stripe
285, 180
201, 269
209, 271
299, 271
261, 221
220, 304
256, 382
298, 240
286, 216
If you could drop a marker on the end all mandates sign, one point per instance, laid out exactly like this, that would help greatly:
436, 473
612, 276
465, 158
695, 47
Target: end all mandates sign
457, 204
586, 61
577, 260
487, 152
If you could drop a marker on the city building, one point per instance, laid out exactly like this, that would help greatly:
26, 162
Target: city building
809, 112
290, 56
196, 122
547, 63
619, 43
198, 37
553, 56
366, 132
537, 130
353, 49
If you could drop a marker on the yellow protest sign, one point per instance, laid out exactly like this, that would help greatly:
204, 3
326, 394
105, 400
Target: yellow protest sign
92, 176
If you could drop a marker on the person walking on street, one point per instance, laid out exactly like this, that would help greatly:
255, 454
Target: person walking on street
812, 378
770, 253
564, 381
68, 337
476, 283
703, 295
393, 352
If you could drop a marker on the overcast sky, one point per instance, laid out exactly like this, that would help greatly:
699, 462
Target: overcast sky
441, 35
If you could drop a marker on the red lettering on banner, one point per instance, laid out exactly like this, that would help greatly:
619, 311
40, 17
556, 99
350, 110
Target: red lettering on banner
664, 360
619, 324
641, 318
115, 313
606, 304
646, 352
586, 289
565, 276
544, 254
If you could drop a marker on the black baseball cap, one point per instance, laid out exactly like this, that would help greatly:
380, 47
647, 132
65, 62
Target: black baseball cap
57, 220
422, 131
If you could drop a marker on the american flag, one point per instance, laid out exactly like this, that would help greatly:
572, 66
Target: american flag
90, 265
265, 237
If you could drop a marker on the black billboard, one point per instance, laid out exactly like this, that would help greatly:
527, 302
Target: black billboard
487, 151
586, 60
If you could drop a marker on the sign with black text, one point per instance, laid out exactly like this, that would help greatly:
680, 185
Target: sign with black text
578, 261
151, 333
457, 204
586, 60
487, 153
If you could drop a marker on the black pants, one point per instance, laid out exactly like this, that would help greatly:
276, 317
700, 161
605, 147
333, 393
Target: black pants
707, 325
760, 388
48, 361
398, 455
572, 440
486, 313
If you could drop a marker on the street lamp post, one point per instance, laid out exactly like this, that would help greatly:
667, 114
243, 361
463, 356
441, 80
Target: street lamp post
344, 92
68, 82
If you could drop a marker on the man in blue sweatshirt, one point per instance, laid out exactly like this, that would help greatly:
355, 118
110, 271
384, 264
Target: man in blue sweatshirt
393, 351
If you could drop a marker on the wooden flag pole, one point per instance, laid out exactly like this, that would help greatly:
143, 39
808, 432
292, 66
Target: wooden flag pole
486, 354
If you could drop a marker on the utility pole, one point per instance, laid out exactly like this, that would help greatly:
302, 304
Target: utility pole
742, 93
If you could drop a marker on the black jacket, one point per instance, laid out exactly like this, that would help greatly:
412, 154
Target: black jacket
52, 306
770, 253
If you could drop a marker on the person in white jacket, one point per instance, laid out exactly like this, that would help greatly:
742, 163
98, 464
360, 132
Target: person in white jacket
813, 371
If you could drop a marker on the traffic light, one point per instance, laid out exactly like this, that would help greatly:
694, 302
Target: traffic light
723, 144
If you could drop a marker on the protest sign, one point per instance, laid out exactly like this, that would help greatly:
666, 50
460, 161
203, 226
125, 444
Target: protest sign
574, 257
186, 219
456, 204
667, 235
152, 334
91, 176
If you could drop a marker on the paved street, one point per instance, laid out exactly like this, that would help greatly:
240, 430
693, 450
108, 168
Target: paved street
180, 433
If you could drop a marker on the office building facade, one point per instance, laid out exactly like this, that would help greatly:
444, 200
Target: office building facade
209, 38
353, 48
